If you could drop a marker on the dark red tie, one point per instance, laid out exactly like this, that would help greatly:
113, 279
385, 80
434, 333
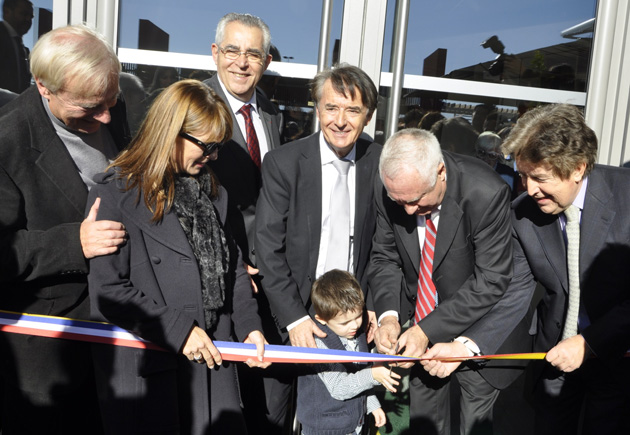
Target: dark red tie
427, 295
252, 139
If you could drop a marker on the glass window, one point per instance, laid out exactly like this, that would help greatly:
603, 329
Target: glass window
42, 22
188, 26
536, 43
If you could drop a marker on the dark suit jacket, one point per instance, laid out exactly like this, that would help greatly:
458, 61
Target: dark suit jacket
152, 286
42, 268
472, 263
238, 173
540, 256
9, 69
289, 220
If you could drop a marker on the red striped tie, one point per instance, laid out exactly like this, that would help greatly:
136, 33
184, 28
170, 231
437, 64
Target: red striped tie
427, 295
252, 139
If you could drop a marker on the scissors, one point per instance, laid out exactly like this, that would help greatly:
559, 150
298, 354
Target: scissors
395, 353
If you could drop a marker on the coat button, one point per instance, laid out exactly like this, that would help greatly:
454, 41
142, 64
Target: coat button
156, 260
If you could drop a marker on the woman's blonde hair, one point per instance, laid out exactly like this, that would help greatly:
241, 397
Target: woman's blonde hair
150, 162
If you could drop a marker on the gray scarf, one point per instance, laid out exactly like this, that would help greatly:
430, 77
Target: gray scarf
200, 222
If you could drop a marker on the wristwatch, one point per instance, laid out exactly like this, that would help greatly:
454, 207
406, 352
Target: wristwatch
470, 345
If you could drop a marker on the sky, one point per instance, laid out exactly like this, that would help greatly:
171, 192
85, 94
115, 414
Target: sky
457, 25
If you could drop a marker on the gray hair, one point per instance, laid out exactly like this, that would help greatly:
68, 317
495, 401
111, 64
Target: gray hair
489, 140
246, 20
75, 51
346, 79
411, 148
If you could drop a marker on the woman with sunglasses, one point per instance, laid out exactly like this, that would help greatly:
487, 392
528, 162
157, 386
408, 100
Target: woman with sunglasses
178, 281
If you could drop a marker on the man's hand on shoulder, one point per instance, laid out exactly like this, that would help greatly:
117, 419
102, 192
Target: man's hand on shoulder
100, 237
302, 334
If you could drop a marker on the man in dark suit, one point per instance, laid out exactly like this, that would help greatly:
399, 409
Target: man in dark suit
583, 319
17, 17
295, 217
453, 212
246, 38
51, 143
241, 53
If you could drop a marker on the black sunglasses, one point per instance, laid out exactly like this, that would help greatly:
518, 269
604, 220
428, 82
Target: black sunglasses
208, 148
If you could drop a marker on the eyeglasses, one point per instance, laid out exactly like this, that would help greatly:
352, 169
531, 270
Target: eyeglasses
252, 56
208, 148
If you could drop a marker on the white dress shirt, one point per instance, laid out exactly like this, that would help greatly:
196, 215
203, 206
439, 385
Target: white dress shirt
236, 104
329, 177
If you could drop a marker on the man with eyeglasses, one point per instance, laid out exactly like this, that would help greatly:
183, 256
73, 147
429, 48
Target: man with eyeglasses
241, 54
55, 136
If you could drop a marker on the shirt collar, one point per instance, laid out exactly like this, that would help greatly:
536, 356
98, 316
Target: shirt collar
235, 103
329, 156
581, 196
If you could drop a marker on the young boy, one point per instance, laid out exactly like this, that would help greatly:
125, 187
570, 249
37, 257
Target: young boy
333, 400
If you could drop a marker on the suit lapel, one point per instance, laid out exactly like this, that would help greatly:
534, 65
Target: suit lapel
597, 217
549, 234
450, 217
451, 213
410, 241
58, 166
267, 121
310, 184
168, 232
364, 185
237, 135
54, 159
406, 228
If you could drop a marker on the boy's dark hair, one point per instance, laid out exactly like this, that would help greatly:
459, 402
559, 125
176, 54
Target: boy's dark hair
335, 292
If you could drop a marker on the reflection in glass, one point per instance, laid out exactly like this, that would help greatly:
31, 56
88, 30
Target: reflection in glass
188, 26
540, 44
291, 95
42, 22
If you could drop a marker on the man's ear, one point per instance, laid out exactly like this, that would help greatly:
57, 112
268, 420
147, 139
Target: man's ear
320, 320
215, 52
368, 119
267, 61
578, 173
441, 171
43, 90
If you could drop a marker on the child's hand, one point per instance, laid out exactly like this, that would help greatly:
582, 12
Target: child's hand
379, 417
386, 377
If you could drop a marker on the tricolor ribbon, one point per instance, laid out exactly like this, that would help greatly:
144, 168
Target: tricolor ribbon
99, 332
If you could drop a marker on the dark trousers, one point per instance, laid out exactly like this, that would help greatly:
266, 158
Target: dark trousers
48, 386
266, 393
594, 399
430, 402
